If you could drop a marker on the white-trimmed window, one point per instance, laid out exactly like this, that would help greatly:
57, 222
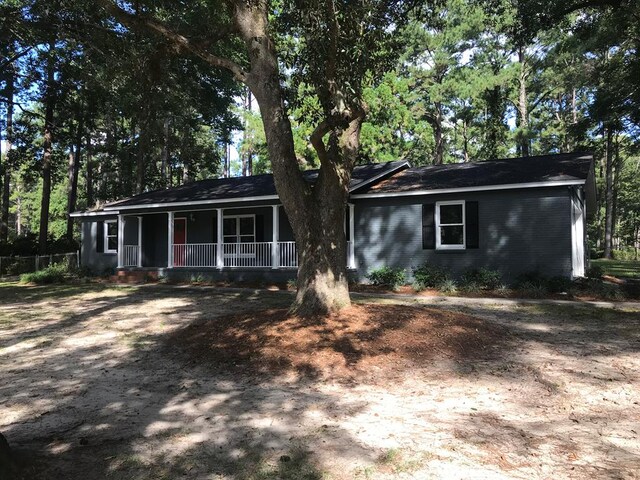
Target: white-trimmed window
239, 229
111, 236
450, 225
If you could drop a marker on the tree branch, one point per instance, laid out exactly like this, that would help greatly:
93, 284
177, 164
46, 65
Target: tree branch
589, 4
14, 57
318, 143
178, 40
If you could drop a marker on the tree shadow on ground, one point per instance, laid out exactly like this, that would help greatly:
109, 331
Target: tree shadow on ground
104, 400
121, 391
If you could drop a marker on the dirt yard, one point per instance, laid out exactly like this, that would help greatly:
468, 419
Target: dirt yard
166, 382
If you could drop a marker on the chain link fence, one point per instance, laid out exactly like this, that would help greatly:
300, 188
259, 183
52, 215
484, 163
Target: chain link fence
17, 265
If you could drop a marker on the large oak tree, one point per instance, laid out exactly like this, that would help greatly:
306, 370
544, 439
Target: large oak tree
331, 46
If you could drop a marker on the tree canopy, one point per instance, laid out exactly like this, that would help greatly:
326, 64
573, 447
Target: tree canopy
103, 100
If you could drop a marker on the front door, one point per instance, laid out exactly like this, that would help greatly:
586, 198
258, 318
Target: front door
179, 241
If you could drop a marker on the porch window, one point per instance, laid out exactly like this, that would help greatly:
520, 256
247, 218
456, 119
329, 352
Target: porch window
239, 229
450, 225
111, 236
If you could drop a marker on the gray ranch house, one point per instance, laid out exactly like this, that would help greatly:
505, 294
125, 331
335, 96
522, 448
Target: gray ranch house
513, 215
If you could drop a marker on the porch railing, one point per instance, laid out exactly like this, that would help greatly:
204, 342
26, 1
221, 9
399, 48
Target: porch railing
256, 254
195, 255
131, 256
288, 254
239, 255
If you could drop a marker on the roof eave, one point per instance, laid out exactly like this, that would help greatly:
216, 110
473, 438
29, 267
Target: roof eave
478, 188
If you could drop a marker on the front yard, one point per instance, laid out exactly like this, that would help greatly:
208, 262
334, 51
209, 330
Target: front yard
181, 382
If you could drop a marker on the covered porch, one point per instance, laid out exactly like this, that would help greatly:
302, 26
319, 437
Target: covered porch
257, 237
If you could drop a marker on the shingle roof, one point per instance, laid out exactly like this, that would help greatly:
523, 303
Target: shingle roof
546, 168
241, 187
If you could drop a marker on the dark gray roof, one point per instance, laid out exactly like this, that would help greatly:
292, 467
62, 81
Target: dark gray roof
546, 168
241, 187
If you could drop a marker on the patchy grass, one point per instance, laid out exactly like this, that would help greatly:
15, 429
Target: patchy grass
398, 461
619, 268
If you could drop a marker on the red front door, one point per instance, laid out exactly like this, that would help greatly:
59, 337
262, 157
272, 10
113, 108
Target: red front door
179, 241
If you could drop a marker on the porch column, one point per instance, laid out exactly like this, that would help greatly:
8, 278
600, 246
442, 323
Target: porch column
275, 248
170, 240
120, 240
351, 254
219, 252
140, 242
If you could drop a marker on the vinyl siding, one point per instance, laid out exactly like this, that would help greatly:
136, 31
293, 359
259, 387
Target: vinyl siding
89, 257
520, 231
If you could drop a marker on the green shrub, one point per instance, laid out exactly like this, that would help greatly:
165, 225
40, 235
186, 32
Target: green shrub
387, 277
58, 273
531, 279
559, 284
595, 271
627, 253
429, 276
448, 286
481, 279
532, 290
609, 291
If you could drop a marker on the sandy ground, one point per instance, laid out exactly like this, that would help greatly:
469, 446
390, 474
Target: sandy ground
91, 388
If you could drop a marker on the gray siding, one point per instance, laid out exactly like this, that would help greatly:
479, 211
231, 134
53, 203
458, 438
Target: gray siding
89, 257
520, 231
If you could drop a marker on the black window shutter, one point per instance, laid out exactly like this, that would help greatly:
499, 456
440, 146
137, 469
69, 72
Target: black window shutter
428, 226
472, 225
100, 236
259, 228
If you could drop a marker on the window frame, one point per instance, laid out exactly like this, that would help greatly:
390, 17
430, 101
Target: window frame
438, 226
245, 252
237, 234
106, 237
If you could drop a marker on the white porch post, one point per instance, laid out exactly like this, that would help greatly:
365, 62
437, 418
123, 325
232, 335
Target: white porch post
170, 240
120, 240
219, 252
351, 256
139, 242
275, 248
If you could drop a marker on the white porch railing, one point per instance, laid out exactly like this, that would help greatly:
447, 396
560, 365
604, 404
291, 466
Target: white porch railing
195, 255
131, 256
256, 254
238, 255
288, 254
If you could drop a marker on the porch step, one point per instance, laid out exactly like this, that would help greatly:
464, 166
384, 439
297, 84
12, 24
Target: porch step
134, 276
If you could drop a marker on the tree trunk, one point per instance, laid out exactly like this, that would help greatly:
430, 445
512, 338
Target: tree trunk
438, 135
316, 214
165, 155
244, 152
225, 169
250, 151
89, 177
140, 153
608, 215
73, 173
523, 106
48, 150
6, 183
617, 167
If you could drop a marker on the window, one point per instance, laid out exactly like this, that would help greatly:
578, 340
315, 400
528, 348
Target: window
111, 236
450, 225
239, 229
